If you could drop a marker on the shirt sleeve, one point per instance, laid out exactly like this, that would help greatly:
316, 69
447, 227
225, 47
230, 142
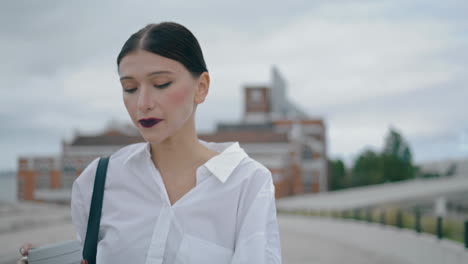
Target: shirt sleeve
81, 198
77, 212
259, 240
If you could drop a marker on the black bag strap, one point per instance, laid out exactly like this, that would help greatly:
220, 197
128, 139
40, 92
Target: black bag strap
94, 219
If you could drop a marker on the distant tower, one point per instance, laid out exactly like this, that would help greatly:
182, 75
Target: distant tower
281, 107
279, 103
266, 103
257, 104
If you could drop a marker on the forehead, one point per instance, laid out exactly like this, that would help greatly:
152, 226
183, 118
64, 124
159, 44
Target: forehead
140, 63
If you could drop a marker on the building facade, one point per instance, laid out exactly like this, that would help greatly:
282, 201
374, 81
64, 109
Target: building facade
37, 173
272, 130
282, 137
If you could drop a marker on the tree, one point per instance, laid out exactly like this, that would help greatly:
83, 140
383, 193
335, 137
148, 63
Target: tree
337, 171
368, 169
397, 158
394, 163
395, 145
395, 169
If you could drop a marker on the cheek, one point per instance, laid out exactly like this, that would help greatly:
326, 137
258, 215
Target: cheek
128, 105
179, 97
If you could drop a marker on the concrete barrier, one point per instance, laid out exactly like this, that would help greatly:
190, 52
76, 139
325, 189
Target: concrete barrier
388, 240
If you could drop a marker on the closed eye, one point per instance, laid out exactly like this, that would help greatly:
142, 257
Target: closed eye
163, 85
156, 86
130, 90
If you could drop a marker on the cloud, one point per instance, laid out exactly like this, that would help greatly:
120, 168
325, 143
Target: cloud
335, 62
362, 65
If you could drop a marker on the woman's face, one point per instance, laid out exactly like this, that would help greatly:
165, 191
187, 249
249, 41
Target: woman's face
161, 88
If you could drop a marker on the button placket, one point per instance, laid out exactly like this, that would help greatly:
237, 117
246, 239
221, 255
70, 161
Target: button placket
156, 250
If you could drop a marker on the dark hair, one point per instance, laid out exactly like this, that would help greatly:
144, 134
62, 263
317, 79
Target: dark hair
170, 40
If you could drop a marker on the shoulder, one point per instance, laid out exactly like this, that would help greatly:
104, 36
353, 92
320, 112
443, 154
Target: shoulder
117, 158
253, 176
254, 170
123, 153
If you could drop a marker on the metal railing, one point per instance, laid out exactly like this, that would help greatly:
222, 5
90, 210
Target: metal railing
448, 228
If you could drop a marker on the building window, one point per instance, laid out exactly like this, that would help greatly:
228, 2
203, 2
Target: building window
307, 152
256, 96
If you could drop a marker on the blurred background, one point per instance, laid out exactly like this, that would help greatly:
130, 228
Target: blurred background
356, 107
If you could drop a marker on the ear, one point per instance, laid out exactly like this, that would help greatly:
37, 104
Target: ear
202, 88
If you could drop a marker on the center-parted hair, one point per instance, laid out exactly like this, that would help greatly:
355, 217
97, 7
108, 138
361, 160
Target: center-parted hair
170, 40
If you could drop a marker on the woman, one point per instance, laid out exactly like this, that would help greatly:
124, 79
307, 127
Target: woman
176, 198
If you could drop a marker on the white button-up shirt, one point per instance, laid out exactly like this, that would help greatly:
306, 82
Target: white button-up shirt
228, 217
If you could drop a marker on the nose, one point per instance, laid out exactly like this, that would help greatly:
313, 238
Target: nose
145, 100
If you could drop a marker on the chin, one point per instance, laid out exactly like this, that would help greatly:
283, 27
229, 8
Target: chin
152, 138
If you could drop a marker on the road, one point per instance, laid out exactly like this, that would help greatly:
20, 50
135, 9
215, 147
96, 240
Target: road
300, 244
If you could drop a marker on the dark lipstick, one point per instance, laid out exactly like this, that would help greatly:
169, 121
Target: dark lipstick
149, 122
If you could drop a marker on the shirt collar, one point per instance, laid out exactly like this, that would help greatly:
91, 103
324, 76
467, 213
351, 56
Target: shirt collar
221, 165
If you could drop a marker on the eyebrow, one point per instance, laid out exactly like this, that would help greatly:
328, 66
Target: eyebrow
149, 74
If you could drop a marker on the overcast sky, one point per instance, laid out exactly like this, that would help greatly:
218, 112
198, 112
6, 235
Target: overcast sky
362, 66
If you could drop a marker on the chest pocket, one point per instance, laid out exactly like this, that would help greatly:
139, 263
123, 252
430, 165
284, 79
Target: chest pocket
194, 250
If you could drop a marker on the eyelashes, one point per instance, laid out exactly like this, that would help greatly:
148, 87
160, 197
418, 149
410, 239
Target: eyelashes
162, 86
129, 90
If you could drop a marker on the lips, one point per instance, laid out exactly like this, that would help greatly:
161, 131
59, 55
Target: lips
149, 122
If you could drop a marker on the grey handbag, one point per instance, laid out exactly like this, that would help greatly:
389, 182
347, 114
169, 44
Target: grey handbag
70, 251
65, 252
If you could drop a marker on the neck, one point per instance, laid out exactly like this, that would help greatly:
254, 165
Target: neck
181, 152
